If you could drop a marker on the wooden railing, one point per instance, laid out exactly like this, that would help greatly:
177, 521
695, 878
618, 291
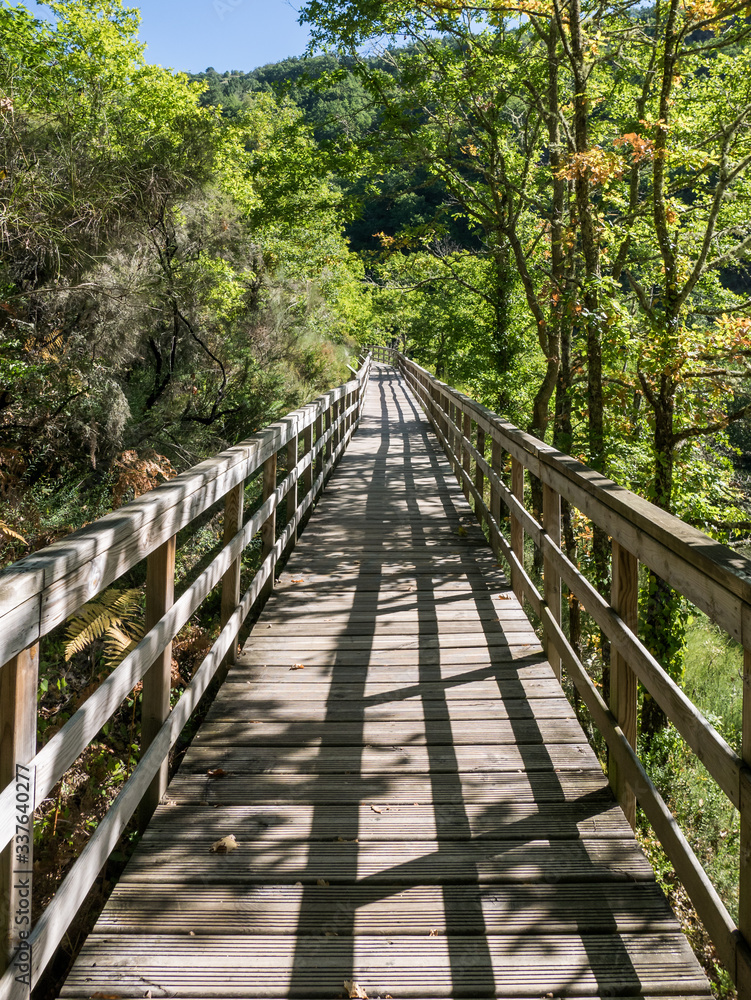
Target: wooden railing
41, 591
712, 576
383, 354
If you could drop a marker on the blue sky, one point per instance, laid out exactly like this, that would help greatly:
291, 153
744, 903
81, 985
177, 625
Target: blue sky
191, 35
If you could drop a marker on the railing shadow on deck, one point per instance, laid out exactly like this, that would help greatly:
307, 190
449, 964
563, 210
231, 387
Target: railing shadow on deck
41, 591
712, 576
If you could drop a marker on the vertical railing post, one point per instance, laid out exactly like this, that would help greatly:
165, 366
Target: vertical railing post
320, 457
307, 448
292, 449
466, 456
268, 528
336, 409
517, 528
479, 474
743, 964
19, 680
623, 686
496, 460
233, 522
451, 433
157, 681
551, 522
327, 426
442, 402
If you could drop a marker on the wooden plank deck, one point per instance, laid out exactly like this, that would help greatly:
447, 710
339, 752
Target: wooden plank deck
417, 809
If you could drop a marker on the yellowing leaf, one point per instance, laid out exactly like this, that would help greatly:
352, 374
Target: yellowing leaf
226, 845
354, 990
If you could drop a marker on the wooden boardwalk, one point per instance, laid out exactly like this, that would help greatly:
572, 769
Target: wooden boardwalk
416, 808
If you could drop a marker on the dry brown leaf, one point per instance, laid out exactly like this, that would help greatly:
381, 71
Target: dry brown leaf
300, 580
505, 597
226, 845
354, 990
322, 881
218, 772
298, 666
376, 809
106, 996
433, 932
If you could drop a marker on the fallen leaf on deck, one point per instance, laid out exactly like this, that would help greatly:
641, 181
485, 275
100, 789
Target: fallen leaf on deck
322, 881
301, 580
461, 531
106, 996
376, 809
505, 597
348, 840
298, 666
218, 772
355, 991
226, 845
433, 932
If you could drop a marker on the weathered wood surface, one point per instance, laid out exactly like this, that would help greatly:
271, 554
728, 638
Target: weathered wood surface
415, 805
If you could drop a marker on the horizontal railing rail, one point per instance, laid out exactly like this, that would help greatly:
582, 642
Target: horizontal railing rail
43, 590
712, 576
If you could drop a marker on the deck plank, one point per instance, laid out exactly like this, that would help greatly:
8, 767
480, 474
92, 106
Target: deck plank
415, 805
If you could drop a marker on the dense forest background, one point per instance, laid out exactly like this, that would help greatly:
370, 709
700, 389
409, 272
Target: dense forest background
547, 204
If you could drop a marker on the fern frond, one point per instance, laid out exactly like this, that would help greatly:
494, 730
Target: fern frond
6, 532
117, 645
128, 606
113, 609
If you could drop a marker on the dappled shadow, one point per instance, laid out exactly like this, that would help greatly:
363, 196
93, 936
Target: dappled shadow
433, 826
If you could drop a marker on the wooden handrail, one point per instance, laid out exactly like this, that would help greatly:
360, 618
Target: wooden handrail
41, 591
712, 576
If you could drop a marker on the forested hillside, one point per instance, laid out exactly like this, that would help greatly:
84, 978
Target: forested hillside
553, 214
171, 278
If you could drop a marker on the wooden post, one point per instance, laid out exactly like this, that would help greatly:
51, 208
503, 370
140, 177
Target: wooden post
328, 423
292, 449
466, 457
551, 522
743, 976
443, 402
307, 447
454, 435
157, 681
517, 528
268, 528
19, 680
233, 522
479, 474
336, 437
623, 687
496, 460
319, 454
